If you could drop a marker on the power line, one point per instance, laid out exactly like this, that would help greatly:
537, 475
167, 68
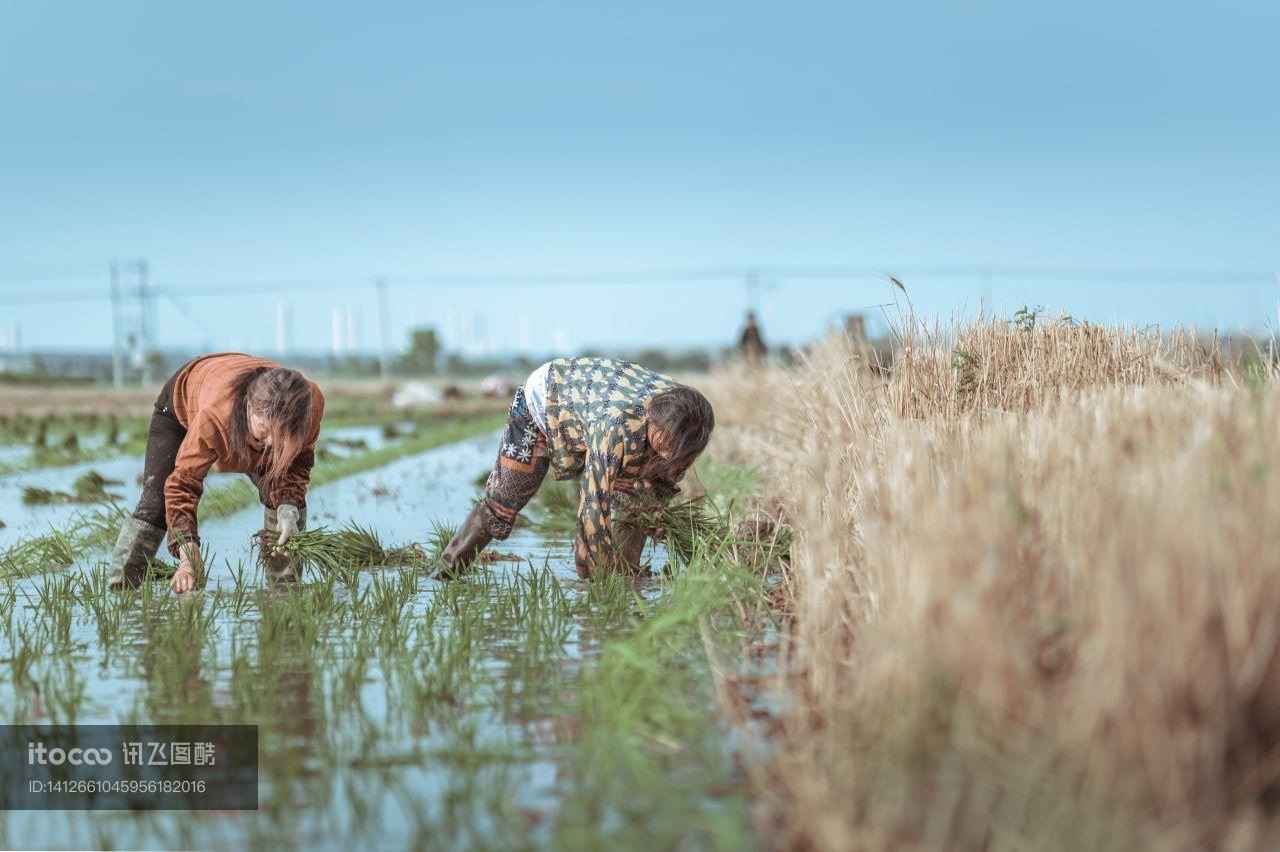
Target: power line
673, 276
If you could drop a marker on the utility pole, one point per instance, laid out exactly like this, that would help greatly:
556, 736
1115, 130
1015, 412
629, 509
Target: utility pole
145, 321
384, 321
117, 349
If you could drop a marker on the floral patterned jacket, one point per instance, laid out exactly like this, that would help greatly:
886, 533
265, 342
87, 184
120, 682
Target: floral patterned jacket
597, 427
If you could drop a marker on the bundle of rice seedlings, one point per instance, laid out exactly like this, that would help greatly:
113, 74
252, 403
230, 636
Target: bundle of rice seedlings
688, 526
89, 488
343, 551
697, 527
161, 569
92, 486
33, 495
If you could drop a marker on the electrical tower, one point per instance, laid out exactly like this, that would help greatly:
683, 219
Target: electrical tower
133, 322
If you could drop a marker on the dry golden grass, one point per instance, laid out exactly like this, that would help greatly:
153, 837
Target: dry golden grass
1035, 591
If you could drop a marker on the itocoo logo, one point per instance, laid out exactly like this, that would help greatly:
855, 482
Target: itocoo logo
37, 753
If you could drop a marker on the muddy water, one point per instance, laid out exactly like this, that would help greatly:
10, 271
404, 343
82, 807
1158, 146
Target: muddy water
351, 754
24, 521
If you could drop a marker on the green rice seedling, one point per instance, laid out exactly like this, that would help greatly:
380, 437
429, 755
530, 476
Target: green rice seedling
7, 602
161, 569
33, 495
437, 540
53, 604
345, 551
35, 555
362, 546
91, 487
684, 525
71, 443
106, 610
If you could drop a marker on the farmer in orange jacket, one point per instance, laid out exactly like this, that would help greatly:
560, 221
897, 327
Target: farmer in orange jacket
239, 414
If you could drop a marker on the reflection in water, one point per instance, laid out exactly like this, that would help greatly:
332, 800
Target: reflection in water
395, 707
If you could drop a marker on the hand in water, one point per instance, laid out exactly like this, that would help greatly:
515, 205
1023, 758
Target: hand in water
184, 579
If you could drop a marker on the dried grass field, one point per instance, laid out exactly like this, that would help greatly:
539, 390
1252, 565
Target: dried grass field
1033, 597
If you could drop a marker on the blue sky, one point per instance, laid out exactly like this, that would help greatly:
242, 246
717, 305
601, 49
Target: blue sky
252, 142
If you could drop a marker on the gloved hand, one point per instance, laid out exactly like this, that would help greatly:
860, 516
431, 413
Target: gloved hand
287, 517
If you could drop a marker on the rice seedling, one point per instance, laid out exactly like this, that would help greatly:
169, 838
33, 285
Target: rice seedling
437, 540
341, 552
89, 487
35, 496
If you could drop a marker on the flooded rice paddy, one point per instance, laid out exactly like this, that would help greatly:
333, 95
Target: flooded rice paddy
515, 708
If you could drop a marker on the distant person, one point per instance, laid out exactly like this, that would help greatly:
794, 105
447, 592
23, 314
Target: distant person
625, 430
243, 415
751, 342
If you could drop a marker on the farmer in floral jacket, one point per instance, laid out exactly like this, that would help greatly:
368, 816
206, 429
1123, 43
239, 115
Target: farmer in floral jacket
626, 431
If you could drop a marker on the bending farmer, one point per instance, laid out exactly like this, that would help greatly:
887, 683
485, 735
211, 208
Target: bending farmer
241, 414
625, 430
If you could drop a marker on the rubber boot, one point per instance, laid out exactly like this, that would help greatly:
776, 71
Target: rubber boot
136, 546
465, 545
282, 567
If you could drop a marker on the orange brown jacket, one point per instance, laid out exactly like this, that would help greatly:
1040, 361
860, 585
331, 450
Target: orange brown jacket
202, 402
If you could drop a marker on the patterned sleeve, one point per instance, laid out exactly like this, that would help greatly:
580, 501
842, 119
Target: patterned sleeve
185, 486
594, 546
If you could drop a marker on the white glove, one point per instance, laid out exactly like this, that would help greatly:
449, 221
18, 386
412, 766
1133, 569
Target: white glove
287, 518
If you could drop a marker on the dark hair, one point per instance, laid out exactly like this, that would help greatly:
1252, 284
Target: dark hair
686, 419
281, 397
